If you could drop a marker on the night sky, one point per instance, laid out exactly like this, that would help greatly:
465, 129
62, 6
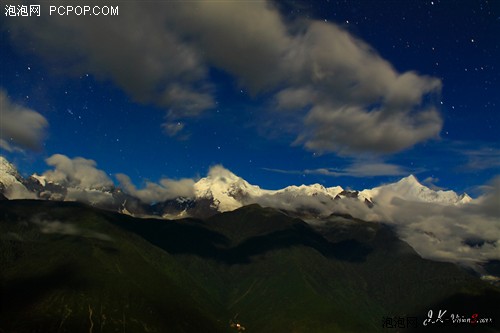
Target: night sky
350, 93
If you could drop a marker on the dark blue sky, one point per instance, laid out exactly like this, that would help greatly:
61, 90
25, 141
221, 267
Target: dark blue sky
170, 90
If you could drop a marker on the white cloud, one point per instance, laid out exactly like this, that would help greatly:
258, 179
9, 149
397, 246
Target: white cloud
489, 202
374, 169
161, 53
20, 127
352, 129
482, 158
360, 102
66, 228
137, 50
185, 103
357, 169
78, 172
153, 192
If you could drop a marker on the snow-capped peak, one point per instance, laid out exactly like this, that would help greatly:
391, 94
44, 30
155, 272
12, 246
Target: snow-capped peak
410, 189
410, 180
464, 199
227, 190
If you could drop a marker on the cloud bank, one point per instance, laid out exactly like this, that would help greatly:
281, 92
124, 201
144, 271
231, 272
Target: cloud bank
153, 192
85, 182
467, 233
20, 127
349, 99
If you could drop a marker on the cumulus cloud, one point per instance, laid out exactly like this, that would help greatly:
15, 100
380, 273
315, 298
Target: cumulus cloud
85, 182
358, 101
488, 202
77, 172
352, 129
351, 99
246, 39
153, 192
20, 127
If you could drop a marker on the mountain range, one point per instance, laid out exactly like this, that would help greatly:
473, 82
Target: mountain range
221, 191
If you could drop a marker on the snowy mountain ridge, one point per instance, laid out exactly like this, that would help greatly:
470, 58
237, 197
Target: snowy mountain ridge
221, 191
229, 192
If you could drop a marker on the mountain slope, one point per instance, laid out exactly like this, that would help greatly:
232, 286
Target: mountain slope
11, 182
65, 268
349, 266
